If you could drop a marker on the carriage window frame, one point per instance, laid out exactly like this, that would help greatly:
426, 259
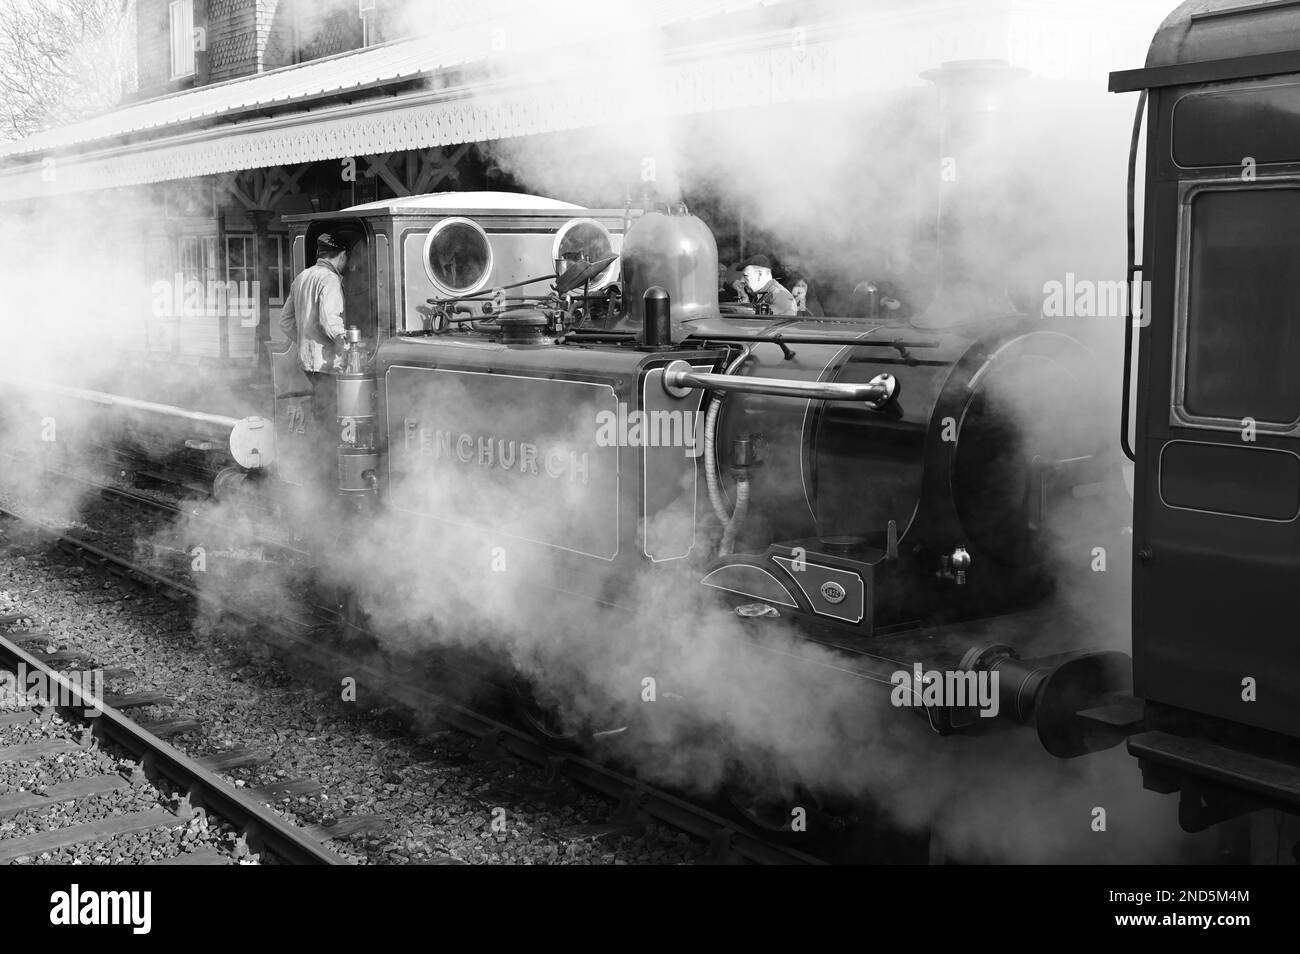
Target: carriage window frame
1179, 415
1239, 88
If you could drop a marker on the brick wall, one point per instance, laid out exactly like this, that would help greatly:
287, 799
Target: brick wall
275, 33
251, 36
232, 50
326, 27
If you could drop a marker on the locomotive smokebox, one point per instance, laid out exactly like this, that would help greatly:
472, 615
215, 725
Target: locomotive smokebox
975, 241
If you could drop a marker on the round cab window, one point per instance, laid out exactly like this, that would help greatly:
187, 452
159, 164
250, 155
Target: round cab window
458, 257
581, 241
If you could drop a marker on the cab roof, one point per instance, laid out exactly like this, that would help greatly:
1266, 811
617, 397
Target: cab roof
440, 204
442, 201
1205, 41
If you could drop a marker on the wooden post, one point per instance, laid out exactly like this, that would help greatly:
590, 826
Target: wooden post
265, 261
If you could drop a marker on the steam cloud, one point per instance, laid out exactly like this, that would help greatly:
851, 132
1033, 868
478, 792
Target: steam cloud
861, 205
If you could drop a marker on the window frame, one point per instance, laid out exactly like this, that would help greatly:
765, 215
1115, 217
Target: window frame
248, 241
205, 244
186, 9
281, 266
474, 287
1179, 415
277, 267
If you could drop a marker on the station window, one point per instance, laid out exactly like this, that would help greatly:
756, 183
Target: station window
196, 257
242, 263
241, 259
1243, 306
182, 35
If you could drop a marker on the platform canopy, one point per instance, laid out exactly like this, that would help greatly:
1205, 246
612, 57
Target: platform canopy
487, 81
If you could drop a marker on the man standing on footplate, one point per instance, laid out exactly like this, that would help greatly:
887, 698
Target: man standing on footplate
313, 317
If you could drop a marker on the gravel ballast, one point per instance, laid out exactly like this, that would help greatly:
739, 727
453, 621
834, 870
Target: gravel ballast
433, 802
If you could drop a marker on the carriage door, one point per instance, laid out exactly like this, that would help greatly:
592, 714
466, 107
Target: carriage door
1217, 569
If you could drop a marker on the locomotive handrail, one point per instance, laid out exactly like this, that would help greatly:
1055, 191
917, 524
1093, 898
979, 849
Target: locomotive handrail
680, 378
895, 343
1134, 267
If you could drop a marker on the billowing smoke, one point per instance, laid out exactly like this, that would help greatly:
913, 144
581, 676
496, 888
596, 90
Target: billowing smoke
93, 303
848, 189
845, 190
707, 696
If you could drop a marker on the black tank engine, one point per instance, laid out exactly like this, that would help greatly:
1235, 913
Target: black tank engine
872, 481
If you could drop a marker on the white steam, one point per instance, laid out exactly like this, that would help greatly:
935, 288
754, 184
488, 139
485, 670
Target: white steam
848, 187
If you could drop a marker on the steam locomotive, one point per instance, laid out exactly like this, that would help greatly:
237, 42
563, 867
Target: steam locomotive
879, 484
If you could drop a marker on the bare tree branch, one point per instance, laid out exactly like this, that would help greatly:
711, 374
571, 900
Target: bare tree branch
63, 60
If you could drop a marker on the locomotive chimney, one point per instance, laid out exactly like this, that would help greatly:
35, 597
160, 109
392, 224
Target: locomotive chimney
974, 243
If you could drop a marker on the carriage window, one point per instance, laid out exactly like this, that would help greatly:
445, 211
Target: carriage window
1243, 306
1221, 127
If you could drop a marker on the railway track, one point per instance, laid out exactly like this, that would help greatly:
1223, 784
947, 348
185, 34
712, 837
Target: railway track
635, 802
72, 746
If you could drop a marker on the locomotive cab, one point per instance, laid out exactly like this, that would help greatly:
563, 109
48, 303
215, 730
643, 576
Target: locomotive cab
416, 266
297, 444
1215, 411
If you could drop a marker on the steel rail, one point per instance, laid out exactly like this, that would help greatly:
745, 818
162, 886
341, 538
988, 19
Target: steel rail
206, 789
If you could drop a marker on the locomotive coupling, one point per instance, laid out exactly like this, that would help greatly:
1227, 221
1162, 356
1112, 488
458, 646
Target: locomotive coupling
879, 392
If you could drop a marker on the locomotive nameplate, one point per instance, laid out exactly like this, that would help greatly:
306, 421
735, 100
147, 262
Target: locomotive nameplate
511, 455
